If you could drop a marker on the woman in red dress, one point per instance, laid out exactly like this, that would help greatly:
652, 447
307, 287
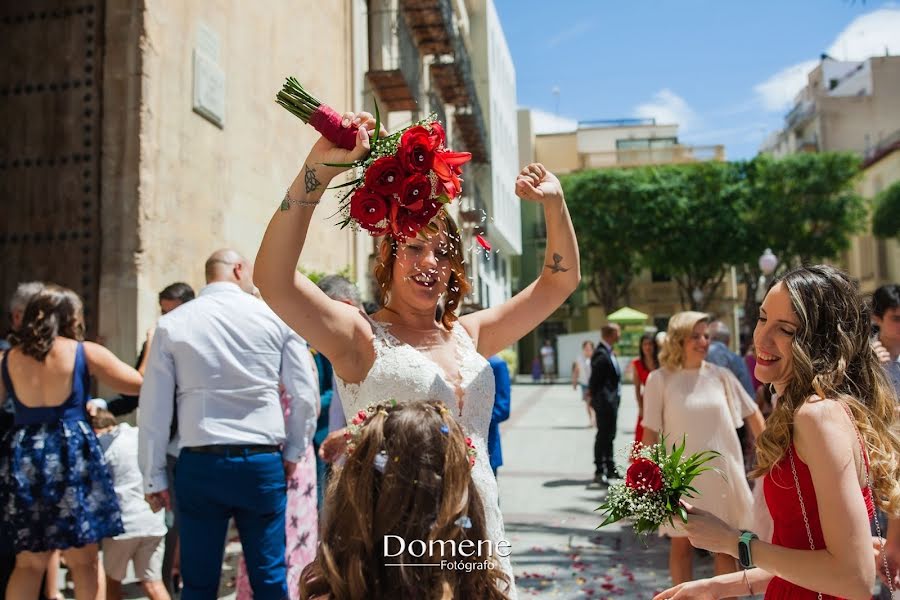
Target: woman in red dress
827, 450
642, 365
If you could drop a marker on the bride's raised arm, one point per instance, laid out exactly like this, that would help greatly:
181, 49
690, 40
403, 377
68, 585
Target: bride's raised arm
497, 327
331, 327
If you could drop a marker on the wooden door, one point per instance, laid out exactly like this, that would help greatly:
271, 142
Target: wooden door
50, 115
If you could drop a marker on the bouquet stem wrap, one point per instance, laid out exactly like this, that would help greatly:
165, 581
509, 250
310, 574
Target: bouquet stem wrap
313, 112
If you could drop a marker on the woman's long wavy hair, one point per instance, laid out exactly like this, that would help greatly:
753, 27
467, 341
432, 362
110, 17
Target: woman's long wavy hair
681, 326
458, 286
53, 312
425, 492
832, 358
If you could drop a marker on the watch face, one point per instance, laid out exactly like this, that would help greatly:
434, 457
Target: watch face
744, 554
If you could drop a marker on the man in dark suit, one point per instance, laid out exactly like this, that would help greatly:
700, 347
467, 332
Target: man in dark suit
605, 389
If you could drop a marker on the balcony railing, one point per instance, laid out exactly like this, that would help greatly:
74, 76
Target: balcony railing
393, 61
808, 143
801, 113
431, 24
653, 156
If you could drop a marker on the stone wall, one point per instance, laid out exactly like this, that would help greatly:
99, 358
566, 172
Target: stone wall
177, 186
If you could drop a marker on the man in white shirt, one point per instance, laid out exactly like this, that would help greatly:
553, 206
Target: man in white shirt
222, 355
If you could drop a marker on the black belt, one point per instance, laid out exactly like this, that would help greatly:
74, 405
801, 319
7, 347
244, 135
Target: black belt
226, 449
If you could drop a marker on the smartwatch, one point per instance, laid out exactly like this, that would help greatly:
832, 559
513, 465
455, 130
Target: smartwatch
744, 556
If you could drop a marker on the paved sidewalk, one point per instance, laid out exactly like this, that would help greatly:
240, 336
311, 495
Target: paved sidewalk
548, 504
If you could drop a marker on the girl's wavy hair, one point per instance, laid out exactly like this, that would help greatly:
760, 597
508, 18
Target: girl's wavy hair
53, 312
832, 358
458, 286
680, 328
425, 492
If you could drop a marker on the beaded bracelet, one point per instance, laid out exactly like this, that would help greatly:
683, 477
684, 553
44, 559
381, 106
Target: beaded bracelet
287, 201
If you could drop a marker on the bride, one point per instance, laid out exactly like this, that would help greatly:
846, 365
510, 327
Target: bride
403, 351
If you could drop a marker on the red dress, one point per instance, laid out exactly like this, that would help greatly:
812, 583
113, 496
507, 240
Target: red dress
642, 373
790, 530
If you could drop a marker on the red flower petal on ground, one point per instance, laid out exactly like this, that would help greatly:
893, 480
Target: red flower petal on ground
644, 475
385, 176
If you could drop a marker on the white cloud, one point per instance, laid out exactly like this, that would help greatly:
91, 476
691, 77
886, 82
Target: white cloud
545, 122
777, 92
668, 108
871, 34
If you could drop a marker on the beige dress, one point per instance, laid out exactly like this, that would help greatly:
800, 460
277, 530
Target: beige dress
706, 405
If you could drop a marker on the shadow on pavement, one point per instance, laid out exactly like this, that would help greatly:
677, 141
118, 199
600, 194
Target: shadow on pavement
554, 483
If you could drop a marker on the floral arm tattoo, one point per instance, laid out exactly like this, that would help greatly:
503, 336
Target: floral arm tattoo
556, 267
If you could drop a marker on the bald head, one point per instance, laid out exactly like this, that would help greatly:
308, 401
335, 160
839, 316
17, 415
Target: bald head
229, 265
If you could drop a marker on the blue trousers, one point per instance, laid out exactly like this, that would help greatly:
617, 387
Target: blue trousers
211, 489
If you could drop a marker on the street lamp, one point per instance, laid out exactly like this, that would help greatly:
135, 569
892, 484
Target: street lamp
767, 264
697, 295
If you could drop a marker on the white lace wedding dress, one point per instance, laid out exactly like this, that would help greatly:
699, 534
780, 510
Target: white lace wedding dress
406, 374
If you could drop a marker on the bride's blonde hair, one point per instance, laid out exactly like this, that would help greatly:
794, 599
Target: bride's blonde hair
832, 357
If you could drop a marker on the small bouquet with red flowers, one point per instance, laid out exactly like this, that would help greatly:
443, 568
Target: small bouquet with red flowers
654, 485
404, 181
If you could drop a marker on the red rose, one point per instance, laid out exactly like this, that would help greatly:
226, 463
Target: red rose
385, 176
408, 223
368, 208
415, 191
644, 475
416, 151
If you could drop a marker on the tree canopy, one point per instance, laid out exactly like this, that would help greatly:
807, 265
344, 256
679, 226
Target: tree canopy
693, 221
886, 216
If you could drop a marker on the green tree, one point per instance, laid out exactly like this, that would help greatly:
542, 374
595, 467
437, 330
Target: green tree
697, 228
804, 207
607, 211
886, 216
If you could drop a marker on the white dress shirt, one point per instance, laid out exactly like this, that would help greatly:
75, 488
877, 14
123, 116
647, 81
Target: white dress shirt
222, 356
120, 449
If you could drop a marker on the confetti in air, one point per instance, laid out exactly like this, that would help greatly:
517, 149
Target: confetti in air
483, 243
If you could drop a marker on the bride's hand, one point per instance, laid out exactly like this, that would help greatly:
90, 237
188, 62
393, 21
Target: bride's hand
537, 184
692, 590
325, 151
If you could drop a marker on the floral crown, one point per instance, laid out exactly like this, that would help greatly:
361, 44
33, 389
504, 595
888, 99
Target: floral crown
363, 416
403, 182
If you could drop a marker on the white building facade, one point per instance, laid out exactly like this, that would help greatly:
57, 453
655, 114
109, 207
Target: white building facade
495, 79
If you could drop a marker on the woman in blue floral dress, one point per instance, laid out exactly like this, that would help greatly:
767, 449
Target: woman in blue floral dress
55, 489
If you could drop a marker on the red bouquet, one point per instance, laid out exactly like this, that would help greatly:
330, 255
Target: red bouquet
404, 181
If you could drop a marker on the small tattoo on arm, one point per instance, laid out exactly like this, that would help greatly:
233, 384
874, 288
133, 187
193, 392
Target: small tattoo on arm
311, 181
556, 267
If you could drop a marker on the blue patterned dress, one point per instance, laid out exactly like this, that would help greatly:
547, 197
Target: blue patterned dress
55, 488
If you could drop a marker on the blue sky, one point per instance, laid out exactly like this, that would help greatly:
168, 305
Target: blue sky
726, 70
